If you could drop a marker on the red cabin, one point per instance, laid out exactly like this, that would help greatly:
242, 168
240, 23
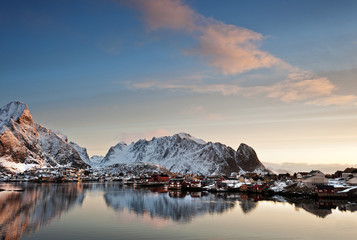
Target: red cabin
160, 178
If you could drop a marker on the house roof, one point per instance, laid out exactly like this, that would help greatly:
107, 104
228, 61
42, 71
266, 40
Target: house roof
350, 170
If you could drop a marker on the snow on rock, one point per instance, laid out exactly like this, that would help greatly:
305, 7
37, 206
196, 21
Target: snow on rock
57, 150
11, 111
24, 142
278, 186
15, 167
337, 183
96, 159
180, 153
81, 151
188, 136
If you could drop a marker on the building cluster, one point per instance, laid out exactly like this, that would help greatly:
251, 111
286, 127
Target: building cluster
313, 182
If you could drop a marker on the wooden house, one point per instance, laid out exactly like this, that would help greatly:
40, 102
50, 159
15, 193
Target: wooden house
314, 178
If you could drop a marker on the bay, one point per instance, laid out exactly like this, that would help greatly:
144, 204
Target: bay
112, 211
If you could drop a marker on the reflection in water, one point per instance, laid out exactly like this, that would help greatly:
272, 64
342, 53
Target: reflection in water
323, 207
26, 211
174, 205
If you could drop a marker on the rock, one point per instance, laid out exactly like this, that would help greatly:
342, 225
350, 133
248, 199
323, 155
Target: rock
24, 142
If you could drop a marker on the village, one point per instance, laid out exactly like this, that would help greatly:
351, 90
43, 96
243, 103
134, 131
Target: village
341, 184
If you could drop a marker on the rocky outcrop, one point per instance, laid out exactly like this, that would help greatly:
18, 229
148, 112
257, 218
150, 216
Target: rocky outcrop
22, 142
183, 153
82, 152
247, 159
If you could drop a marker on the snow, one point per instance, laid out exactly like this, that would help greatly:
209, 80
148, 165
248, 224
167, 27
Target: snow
96, 158
348, 189
180, 153
16, 167
278, 186
337, 183
81, 151
175, 156
13, 111
188, 136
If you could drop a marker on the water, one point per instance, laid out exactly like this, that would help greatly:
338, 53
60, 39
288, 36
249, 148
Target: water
112, 211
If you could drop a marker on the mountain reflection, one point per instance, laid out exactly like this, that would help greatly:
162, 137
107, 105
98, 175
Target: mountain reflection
178, 206
26, 211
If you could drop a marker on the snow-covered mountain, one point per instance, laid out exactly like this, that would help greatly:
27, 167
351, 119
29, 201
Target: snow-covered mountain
96, 159
25, 144
183, 153
82, 152
164, 206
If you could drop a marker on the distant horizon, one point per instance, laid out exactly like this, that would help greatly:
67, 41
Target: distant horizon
279, 76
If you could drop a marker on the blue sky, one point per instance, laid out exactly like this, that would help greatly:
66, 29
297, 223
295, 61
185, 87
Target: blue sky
277, 75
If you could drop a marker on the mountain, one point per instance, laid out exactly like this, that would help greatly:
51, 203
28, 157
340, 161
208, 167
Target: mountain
82, 152
96, 159
25, 144
184, 153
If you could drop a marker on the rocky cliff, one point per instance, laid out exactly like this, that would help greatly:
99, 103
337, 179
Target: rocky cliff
25, 144
183, 153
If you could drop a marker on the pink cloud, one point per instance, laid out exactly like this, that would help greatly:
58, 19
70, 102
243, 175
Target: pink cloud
229, 48
233, 50
170, 14
335, 100
295, 88
203, 113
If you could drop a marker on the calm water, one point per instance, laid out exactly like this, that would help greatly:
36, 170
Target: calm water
111, 211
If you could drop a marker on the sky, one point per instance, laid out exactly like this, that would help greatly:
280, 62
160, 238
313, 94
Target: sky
279, 76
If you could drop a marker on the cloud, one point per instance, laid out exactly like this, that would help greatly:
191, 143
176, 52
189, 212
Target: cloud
233, 50
297, 87
169, 14
304, 86
203, 112
300, 86
129, 137
224, 89
335, 100
229, 48
305, 167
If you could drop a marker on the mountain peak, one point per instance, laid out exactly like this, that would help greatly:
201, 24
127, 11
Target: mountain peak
12, 110
189, 137
247, 158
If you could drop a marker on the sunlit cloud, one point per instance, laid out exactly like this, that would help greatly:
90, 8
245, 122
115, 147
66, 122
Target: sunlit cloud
233, 50
297, 87
227, 47
169, 14
203, 113
301, 86
307, 87
335, 100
